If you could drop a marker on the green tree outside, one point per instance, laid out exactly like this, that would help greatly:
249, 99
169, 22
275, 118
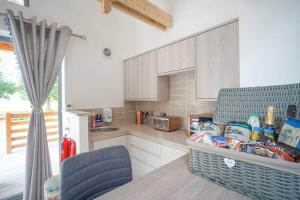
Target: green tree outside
7, 88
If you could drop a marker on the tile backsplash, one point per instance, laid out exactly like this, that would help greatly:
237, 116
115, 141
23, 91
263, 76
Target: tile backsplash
120, 115
182, 102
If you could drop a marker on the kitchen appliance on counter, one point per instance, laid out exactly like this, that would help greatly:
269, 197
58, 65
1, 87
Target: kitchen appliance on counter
139, 117
196, 120
167, 123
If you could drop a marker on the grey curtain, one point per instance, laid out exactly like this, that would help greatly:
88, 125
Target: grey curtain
40, 51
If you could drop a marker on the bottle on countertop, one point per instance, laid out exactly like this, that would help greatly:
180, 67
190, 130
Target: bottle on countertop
93, 120
97, 120
100, 120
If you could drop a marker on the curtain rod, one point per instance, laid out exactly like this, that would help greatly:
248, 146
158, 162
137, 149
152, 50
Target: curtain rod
73, 34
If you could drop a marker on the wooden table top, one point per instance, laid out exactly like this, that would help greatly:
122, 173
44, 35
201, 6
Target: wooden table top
172, 181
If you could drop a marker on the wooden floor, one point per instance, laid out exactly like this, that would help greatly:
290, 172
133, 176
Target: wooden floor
12, 168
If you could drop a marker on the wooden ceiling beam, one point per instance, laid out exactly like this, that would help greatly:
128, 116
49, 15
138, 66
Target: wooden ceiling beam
142, 10
106, 6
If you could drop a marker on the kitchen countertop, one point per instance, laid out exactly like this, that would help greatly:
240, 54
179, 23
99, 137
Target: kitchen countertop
78, 112
172, 181
175, 139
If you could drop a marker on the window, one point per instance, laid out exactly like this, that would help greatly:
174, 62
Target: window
20, 2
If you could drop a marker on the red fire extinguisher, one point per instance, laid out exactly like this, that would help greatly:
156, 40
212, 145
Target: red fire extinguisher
68, 148
72, 148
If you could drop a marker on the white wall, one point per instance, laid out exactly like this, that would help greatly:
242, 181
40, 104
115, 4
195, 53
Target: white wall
91, 80
189, 16
269, 34
269, 42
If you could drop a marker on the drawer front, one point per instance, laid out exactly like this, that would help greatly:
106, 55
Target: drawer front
169, 154
139, 168
145, 145
145, 157
122, 140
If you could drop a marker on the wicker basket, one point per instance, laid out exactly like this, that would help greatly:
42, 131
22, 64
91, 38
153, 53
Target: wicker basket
252, 175
255, 176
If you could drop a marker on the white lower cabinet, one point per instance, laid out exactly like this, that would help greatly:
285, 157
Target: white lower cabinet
169, 154
146, 155
121, 140
139, 168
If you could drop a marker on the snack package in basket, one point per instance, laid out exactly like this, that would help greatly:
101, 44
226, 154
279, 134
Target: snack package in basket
213, 128
202, 137
290, 133
234, 144
219, 141
248, 147
238, 130
284, 152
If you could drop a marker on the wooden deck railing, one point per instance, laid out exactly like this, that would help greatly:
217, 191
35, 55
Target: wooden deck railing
17, 129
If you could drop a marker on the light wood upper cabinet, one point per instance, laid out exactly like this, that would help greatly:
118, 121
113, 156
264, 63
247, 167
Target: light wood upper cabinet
214, 54
177, 57
217, 60
147, 76
141, 80
130, 79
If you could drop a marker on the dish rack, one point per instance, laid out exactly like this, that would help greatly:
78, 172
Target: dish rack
254, 176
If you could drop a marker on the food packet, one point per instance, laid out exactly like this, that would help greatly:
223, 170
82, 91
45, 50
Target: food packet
284, 152
238, 130
234, 144
247, 147
219, 141
213, 128
202, 137
290, 133
262, 151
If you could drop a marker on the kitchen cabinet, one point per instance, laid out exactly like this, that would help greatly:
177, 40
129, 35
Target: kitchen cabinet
147, 145
144, 156
177, 57
147, 76
130, 79
141, 80
147, 156
217, 60
169, 154
100, 144
139, 168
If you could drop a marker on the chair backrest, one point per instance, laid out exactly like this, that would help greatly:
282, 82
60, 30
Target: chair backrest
89, 175
238, 103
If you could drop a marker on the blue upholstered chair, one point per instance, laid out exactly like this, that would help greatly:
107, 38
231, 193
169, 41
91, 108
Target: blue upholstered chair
89, 175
